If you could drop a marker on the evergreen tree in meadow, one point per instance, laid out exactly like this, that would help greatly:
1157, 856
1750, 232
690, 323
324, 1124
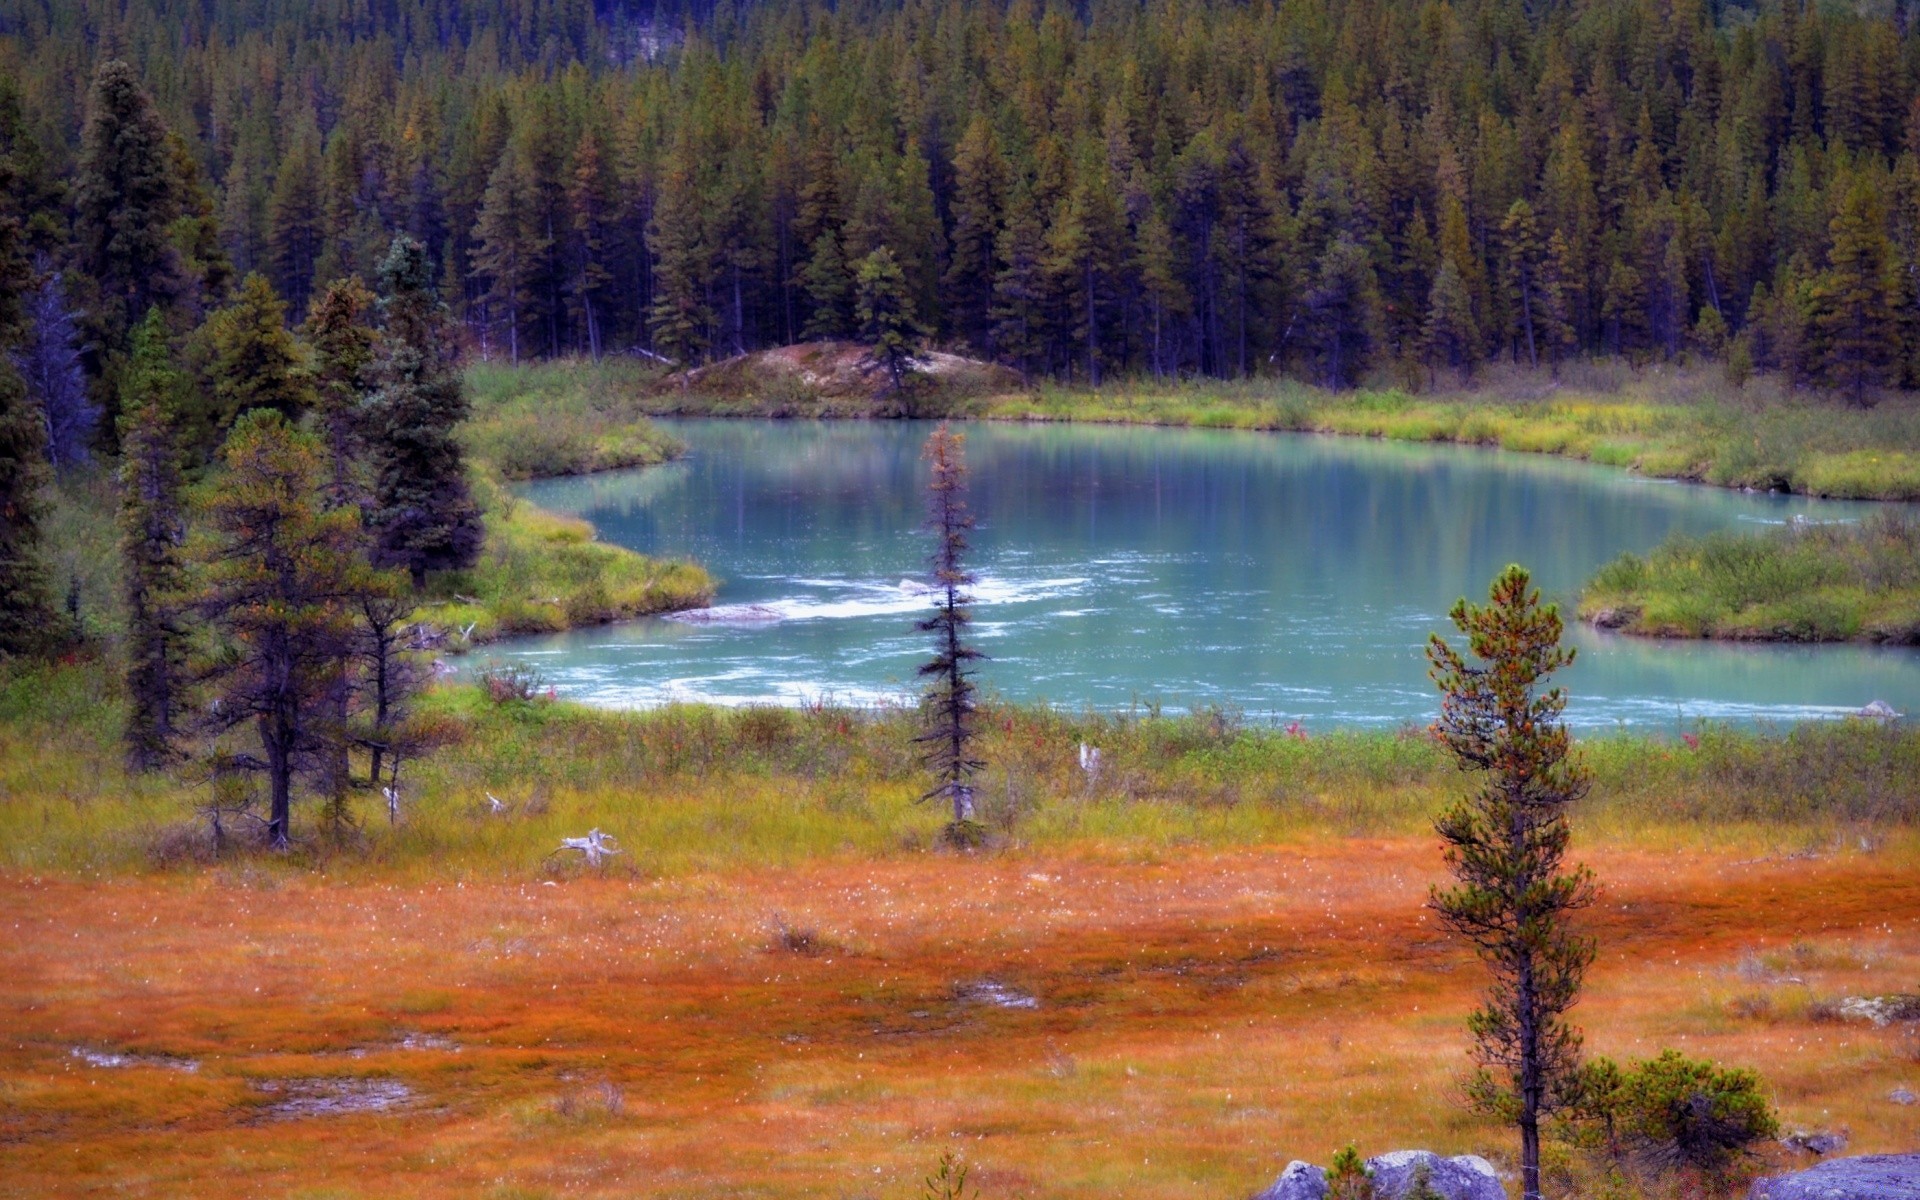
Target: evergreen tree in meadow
423, 514
885, 313
950, 706
281, 578
152, 530
1505, 846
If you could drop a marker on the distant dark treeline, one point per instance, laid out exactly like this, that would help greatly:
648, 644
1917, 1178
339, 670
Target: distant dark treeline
1322, 186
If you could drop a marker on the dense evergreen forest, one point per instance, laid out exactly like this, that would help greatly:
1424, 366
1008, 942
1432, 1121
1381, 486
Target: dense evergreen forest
1324, 187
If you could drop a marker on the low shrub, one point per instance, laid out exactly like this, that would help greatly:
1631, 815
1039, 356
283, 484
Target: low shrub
1673, 1112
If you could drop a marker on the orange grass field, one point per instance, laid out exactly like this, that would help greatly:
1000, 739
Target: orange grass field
1199, 1017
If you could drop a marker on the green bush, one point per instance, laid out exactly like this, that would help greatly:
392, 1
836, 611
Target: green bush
1672, 1111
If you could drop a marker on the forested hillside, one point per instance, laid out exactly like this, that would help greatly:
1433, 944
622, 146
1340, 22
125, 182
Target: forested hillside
1327, 187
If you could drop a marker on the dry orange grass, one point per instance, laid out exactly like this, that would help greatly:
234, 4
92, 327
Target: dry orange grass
819, 1030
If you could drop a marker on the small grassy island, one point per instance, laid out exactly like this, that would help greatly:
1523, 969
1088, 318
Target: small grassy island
1800, 582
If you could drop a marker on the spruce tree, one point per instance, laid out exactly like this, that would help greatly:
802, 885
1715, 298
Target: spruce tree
344, 344
1340, 310
152, 529
513, 241
1450, 337
252, 360
884, 310
125, 196
423, 514
1524, 274
979, 194
1020, 286
680, 319
1505, 847
282, 578
1852, 301
26, 613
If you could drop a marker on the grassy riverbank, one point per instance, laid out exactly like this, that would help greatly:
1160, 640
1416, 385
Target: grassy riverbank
709, 788
1671, 423
1801, 583
569, 417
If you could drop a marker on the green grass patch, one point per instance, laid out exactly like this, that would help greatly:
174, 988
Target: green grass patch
540, 572
566, 417
1805, 583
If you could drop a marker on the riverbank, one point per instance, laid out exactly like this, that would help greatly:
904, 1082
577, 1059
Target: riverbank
568, 417
1802, 582
1671, 423
690, 788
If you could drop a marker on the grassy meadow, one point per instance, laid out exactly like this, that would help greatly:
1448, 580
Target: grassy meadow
1801, 582
1169, 978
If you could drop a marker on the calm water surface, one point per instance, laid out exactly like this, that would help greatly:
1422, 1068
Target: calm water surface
1287, 576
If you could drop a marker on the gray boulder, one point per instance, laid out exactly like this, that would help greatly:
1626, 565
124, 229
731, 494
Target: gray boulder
1464, 1177
1868, 1177
1300, 1181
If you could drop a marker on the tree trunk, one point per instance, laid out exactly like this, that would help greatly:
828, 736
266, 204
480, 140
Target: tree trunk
280, 779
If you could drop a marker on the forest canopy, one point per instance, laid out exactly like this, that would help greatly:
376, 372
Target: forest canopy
1326, 187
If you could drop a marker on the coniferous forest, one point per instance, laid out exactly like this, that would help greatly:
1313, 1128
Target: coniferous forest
1324, 188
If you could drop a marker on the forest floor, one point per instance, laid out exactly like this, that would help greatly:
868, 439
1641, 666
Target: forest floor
1075, 1023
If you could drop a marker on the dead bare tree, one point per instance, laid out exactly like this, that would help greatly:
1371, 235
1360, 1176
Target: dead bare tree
950, 705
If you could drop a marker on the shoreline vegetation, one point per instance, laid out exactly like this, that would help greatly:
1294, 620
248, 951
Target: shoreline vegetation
689, 788
1801, 582
1685, 424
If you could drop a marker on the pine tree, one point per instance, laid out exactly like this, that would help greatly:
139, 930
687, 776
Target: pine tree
979, 193
681, 318
294, 223
885, 312
1020, 291
125, 196
152, 530
423, 514
1505, 845
1524, 274
950, 705
281, 579
513, 243
1339, 308
1450, 336
590, 211
26, 612
1852, 301
344, 344
253, 360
